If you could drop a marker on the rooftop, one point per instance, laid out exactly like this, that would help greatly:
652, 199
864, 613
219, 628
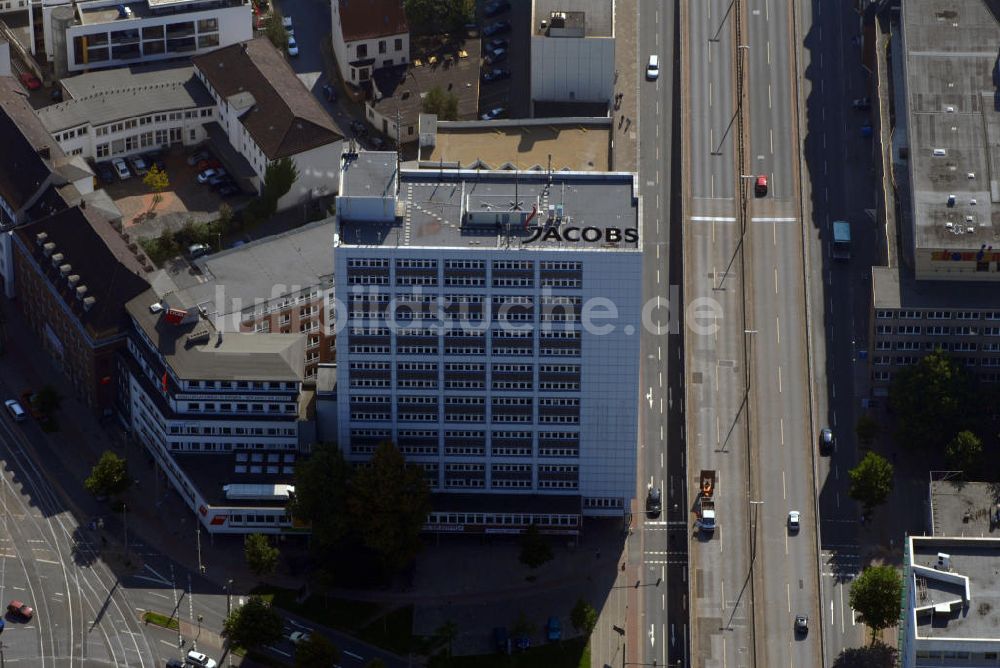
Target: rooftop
404, 87
195, 350
959, 599
896, 288
283, 117
511, 210
210, 473
259, 271
113, 95
368, 19
25, 141
107, 270
954, 127
105, 11
594, 18
371, 174
576, 144
963, 509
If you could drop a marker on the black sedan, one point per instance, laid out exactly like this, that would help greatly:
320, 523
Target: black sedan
496, 28
496, 74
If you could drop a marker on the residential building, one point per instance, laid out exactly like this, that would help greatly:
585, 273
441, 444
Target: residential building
223, 415
936, 290
266, 114
93, 34
281, 284
10, 6
75, 273
367, 36
951, 605
114, 113
572, 51
467, 337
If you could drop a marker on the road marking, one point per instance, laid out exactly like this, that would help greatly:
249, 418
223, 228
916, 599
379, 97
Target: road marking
788, 594
836, 472
833, 390
766, 219
821, 60
779, 379
659, 353
47, 561
781, 425
657, 276
838, 505
777, 319
769, 62
841, 609
824, 141
784, 490
770, 140
715, 219
710, 93
831, 612
774, 234
353, 655
775, 280
769, 96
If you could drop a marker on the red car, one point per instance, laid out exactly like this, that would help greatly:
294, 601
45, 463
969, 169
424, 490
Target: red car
30, 81
210, 163
760, 187
20, 609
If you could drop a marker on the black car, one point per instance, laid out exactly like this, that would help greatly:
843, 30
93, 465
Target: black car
496, 43
496, 57
105, 173
360, 128
496, 7
496, 74
497, 28
654, 502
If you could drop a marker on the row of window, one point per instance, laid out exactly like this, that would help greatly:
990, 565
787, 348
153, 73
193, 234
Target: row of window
936, 330
882, 314
954, 346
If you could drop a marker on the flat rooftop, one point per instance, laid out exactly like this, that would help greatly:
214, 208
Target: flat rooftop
457, 209
967, 593
211, 472
258, 272
594, 17
578, 145
103, 11
954, 128
963, 509
896, 288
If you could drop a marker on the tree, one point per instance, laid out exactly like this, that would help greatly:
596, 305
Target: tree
253, 623
48, 400
278, 180
535, 550
446, 634
932, 397
321, 494
871, 481
964, 452
109, 477
389, 503
439, 15
225, 218
275, 31
316, 652
445, 105
261, 556
157, 181
583, 617
867, 430
875, 594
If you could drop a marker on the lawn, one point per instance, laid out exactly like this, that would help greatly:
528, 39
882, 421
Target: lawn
573, 653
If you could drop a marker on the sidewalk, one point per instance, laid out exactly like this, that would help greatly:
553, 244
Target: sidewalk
625, 121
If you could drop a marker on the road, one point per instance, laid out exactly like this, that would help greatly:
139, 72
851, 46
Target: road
663, 625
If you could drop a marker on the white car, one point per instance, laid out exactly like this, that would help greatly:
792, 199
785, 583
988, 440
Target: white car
293, 47
196, 658
653, 68
299, 636
121, 169
286, 23
793, 520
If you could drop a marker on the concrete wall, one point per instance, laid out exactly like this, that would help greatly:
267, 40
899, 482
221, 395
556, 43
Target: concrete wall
571, 69
319, 175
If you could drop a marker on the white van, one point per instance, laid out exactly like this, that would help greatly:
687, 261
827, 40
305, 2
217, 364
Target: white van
15, 410
653, 68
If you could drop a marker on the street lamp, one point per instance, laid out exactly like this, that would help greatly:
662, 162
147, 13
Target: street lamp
229, 592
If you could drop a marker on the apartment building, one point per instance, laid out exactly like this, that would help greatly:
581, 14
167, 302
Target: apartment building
75, 273
467, 341
265, 114
110, 33
938, 289
368, 35
572, 51
114, 113
223, 414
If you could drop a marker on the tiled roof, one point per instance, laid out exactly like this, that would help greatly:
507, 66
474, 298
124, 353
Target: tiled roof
367, 19
285, 118
22, 168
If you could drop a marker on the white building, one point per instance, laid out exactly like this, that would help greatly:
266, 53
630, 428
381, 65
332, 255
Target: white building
109, 33
368, 35
467, 337
265, 114
572, 51
113, 113
222, 415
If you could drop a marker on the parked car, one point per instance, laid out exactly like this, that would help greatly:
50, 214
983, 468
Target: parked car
200, 660
29, 401
496, 28
121, 169
299, 636
496, 7
30, 81
139, 165
360, 128
293, 47
175, 663
825, 439
196, 158
496, 43
20, 609
198, 250
204, 176
553, 629
496, 56
208, 163
105, 173
16, 410
378, 143
522, 642
228, 190
494, 113
219, 178
496, 74
286, 23
801, 625
654, 502
56, 95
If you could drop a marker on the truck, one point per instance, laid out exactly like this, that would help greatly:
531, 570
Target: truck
841, 240
706, 502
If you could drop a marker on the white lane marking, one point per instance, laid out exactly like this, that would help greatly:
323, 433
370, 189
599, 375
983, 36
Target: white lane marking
710, 93
769, 62
770, 140
353, 655
777, 319
715, 219
766, 219
769, 96
781, 425
788, 594
775, 280
779, 379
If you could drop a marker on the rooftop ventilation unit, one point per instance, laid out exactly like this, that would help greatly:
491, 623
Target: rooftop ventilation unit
943, 562
49, 249
81, 292
57, 259
940, 152
41, 238
73, 279
88, 303
65, 269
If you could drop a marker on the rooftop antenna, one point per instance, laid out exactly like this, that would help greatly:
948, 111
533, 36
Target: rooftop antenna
550, 169
516, 204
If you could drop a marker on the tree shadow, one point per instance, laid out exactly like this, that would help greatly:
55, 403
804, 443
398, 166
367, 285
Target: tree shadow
878, 655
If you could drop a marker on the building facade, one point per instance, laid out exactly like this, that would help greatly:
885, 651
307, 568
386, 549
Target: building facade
468, 342
368, 35
572, 51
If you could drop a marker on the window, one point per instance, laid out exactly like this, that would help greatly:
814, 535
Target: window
362, 50
399, 44
381, 46
102, 150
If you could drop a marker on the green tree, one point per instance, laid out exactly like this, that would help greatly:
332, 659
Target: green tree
871, 481
445, 105
875, 594
583, 617
932, 397
278, 180
275, 31
439, 15
316, 652
867, 430
156, 179
225, 218
535, 550
253, 623
446, 634
965, 452
109, 477
321, 484
389, 503
48, 400
261, 556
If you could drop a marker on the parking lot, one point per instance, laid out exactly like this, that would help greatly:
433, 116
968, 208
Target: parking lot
515, 99
182, 200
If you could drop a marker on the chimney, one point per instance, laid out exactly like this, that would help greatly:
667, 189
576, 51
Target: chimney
44, 152
57, 259
41, 238
65, 269
88, 303
49, 249
81, 292
72, 280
